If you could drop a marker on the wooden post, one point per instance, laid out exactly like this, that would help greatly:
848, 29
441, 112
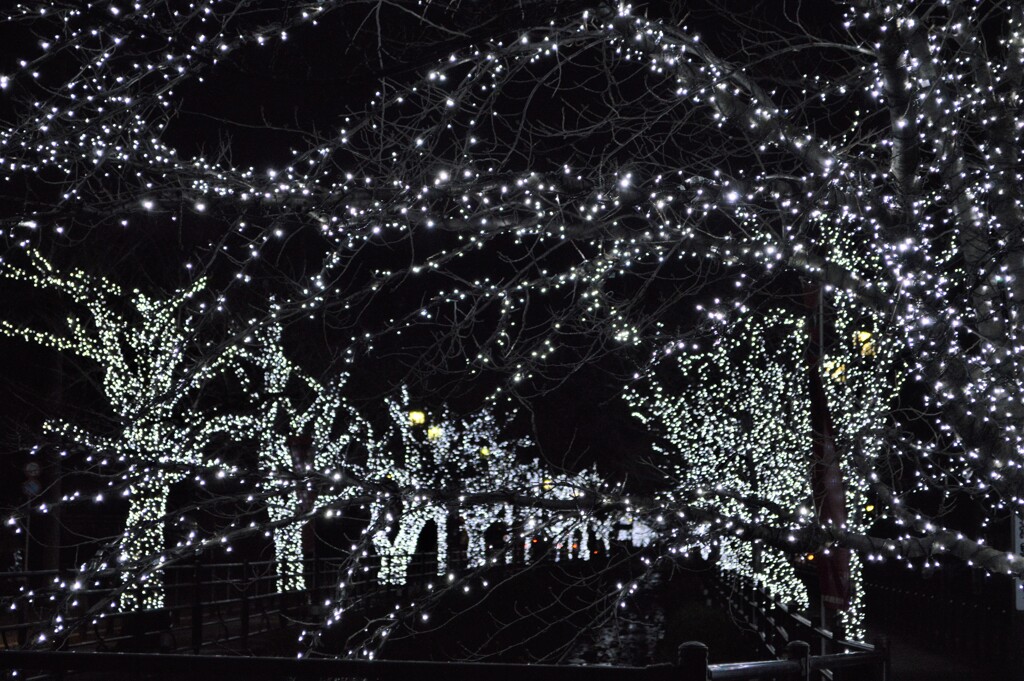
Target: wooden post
801, 652
693, 661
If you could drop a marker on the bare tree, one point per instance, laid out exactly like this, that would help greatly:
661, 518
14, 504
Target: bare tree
149, 378
609, 182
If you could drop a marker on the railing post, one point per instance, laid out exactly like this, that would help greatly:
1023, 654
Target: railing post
22, 630
244, 614
518, 539
755, 603
882, 646
801, 652
197, 605
693, 661
775, 618
765, 601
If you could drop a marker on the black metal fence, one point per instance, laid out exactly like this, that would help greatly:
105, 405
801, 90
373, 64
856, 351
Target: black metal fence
777, 627
973, 630
204, 603
228, 602
692, 666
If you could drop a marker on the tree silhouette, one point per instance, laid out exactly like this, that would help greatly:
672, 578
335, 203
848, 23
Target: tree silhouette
590, 190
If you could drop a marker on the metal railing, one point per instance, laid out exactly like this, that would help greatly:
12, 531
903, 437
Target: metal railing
204, 603
691, 666
974, 630
778, 627
229, 601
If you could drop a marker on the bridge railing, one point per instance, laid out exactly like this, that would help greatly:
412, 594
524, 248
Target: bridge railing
691, 666
777, 626
235, 599
204, 603
972, 629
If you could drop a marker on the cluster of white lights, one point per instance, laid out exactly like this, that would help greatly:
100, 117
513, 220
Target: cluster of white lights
736, 432
892, 180
441, 451
735, 422
142, 347
303, 433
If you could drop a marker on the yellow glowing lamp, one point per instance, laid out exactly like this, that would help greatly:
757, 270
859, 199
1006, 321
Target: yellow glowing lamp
810, 556
548, 484
836, 371
417, 418
434, 432
869, 508
485, 451
866, 340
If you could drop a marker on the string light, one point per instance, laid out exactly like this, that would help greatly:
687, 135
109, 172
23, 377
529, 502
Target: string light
894, 184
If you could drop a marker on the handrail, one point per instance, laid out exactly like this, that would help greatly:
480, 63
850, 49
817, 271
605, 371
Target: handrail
945, 599
800, 664
952, 624
779, 628
765, 611
761, 606
692, 664
203, 594
223, 589
743, 671
259, 668
185, 566
216, 666
846, 660
20, 573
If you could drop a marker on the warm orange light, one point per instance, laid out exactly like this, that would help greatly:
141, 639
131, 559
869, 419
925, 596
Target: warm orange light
836, 371
866, 340
810, 556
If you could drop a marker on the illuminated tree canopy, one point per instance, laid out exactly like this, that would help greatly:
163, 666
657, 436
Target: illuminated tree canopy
492, 203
